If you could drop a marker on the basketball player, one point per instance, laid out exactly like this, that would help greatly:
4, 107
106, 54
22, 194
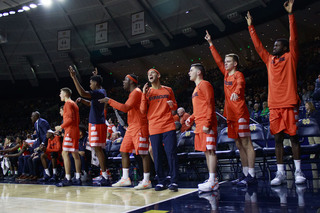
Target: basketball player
283, 98
157, 102
136, 136
71, 137
206, 124
236, 112
97, 127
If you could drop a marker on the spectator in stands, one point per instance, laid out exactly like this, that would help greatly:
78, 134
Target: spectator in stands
11, 147
255, 114
85, 154
316, 93
111, 126
51, 152
305, 95
311, 112
183, 115
121, 127
264, 115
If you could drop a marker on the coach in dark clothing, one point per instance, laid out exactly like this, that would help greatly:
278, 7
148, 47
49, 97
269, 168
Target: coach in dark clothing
41, 126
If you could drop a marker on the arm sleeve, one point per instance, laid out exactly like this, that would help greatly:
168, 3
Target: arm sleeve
293, 40
132, 100
173, 99
263, 53
240, 84
144, 104
68, 117
208, 93
218, 59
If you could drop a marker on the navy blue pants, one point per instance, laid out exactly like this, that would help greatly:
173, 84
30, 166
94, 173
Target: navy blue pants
165, 144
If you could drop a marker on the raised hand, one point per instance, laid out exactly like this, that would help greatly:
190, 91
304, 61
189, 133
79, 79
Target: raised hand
249, 18
145, 88
288, 6
72, 72
104, 100
208, 38
95, 71
170, 103
78, 100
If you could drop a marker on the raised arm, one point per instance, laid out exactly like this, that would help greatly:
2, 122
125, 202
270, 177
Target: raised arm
263, 53
144, 99
215, 53
83, 101
121, 121
293, 41
76, 82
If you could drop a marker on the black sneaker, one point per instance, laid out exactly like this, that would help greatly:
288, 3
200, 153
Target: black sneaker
45, 178
160, 187
102, 182
53, 179
64, 182
249, 180
173, 187
236, 181
76, 182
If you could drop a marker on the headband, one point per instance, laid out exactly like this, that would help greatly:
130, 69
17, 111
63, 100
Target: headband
154, 70
132, 79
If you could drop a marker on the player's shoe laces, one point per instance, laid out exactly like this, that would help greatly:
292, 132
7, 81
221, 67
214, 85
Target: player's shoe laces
143, 185
208, 186
279, 179
122, 182
299, 177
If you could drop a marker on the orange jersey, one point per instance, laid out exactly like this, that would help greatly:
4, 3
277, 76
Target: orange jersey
158, 111
235, 83
136, 120
176, 118
71, 119
54, 145
203, 106
183, 119
282, 78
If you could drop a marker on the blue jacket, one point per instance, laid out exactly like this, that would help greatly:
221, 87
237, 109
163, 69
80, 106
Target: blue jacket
41, 127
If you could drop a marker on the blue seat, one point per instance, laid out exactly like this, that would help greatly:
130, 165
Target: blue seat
308, 127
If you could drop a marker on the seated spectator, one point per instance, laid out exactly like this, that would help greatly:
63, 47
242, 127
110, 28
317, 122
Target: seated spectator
264, 115
175, 116
255, 114
183, 117
311, 112
11, 148
85, 153
51, 152
316, 93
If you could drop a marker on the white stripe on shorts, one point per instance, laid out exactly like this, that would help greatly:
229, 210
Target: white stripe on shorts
68, 144
142, 139
209, 147
93, 128
94, 133
67, 139
69, 149
143, 145
210, 139
243, 126
94, 138
242, 120
141, 152
244, 134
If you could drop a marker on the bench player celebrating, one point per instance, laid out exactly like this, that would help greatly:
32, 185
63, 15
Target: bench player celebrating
236, 111
206, 124
136, 136
283, 98
157, 102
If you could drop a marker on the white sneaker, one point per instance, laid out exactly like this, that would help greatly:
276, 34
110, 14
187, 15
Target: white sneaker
122, 182
279, 179
143, 185
299, 176
208, 186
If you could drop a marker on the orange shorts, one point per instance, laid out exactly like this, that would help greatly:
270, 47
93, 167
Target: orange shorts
97, 134
70, 144
284, 119
137, 143
239, 129
204, 141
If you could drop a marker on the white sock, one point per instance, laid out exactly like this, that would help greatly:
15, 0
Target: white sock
251, 172
146, 177
77, 175
245, 170
15, 172
211, 177
104, 174
47, 172
54, 171
68, 177
297, 164
125, 173
280, 168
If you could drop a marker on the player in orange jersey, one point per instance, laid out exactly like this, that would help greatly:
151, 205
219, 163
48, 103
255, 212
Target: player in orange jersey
236, 111
136, 137
71, 137
283, 98
157, 102
206, 124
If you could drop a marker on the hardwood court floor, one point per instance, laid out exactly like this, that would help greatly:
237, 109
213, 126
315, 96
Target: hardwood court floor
27, 198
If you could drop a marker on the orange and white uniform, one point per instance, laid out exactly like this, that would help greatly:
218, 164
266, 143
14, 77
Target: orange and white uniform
282, 82
158, 111
204, 115
71, 126
136, 137
236, 112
